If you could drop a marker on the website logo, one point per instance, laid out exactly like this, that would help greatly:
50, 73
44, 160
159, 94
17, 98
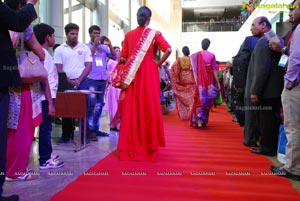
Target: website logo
277, 6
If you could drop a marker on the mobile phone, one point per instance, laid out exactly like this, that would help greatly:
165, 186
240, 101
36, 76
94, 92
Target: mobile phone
103, 39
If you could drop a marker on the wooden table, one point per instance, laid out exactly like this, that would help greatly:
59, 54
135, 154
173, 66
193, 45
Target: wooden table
73, 104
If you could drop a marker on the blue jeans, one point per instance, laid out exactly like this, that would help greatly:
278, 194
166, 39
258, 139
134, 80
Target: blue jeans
4, 103
67, 123
96, 103
45, 145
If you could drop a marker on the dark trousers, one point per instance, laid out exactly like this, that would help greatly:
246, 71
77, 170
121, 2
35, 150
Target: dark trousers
96, 103
4, 103
268, 121
228, 98
239, 110
67, 123
45, 145
251, 132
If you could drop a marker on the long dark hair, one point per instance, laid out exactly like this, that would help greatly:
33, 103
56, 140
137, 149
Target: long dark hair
143, 15
205, 43
186, 51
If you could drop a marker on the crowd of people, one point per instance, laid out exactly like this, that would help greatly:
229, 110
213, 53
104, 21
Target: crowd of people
254, 84
260, 81
87, 67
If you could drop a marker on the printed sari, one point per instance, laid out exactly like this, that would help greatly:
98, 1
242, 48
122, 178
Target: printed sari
204, 78
183, 85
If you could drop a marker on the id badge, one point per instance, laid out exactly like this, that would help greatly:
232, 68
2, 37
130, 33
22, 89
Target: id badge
99, 62
283, 60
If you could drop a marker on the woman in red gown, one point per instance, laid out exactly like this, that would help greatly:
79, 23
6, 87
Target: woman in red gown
141, 131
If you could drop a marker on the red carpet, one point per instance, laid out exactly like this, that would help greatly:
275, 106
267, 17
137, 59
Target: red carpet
197, 164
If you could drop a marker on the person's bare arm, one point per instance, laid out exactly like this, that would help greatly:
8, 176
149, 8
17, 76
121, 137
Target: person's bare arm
46, 89
215, 72
85, 73
112, 50
35, 46
59, 68
164, 57
20, 20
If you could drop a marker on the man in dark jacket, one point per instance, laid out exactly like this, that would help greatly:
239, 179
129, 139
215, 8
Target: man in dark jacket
251, 132
264, 86
9, 74
239, 70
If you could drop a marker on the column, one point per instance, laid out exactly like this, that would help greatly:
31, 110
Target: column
101, 16
52, 13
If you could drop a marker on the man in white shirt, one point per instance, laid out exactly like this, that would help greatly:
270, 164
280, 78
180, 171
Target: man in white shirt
75, 59
45, 35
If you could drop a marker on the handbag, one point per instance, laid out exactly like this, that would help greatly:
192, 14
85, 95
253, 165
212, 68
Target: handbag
31, 68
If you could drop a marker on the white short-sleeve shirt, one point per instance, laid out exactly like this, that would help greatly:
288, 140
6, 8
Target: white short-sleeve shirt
73, 59
52, 74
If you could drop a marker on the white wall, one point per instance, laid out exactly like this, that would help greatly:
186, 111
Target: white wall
223, 44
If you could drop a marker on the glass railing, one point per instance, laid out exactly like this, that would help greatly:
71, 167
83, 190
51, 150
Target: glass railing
225, 25
210, 26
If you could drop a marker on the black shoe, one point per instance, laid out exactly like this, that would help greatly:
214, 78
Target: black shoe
114, 129
250, 144
10, 198
280, 171
261, 152
102, 134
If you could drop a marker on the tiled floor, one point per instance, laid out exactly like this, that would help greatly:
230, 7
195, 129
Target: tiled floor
52, 181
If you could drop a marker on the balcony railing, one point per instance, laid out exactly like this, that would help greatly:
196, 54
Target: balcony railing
210, 26
223, 25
